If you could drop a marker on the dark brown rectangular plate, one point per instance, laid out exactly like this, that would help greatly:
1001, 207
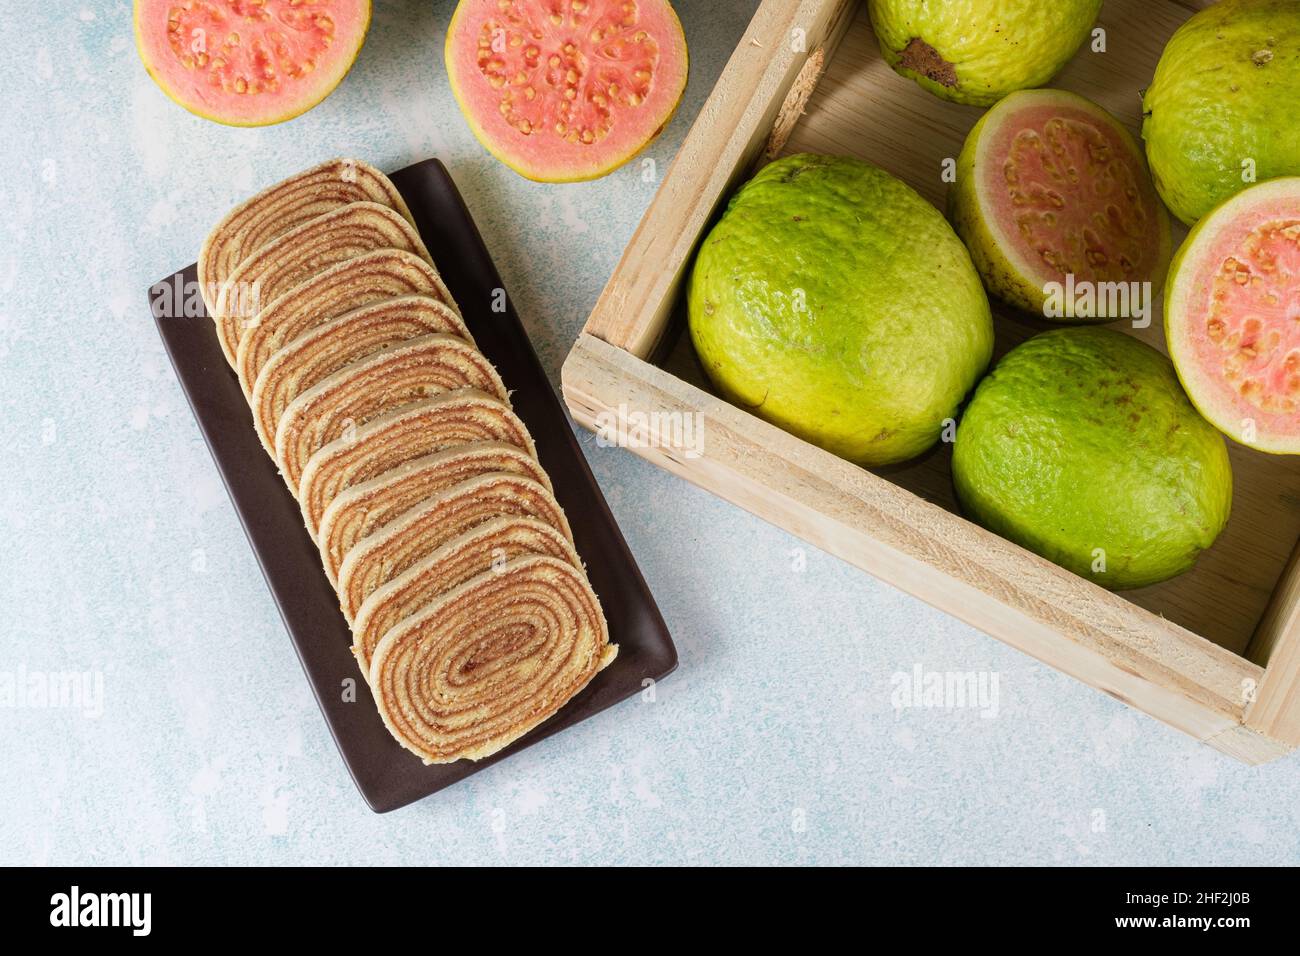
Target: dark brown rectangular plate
388, 776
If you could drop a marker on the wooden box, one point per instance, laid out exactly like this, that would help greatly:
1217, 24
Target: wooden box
1214, 652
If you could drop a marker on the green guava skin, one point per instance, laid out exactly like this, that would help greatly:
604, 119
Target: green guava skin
833, 301
991, 47
1004, 279
1082, 438
1226, 90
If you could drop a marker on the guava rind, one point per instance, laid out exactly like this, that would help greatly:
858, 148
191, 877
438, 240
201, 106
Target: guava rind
1195, 264
1082, 439
542, 153
1226, 90
980, 49
182, 84
834, 301
1016, 279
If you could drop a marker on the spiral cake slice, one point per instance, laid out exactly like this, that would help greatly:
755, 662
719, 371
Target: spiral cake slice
490, 660
353, 283
410, 432
486, 547
364, 507
289, 203
301, 253
377, 559
327, 348
382, 382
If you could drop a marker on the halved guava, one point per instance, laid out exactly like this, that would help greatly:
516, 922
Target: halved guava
977, 51
1055, 203
1232, 316
249, 62
566, 90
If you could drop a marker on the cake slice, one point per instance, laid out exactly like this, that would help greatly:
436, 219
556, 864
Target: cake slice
289, 203
407, 433
301, 253
373, 277
380, 557
380, 383
364, 507
327, 348
483, 548
490, 660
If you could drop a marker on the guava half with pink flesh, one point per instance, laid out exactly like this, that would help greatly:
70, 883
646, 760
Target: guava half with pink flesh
1232, 316
249, 62
1054, 200
566, 90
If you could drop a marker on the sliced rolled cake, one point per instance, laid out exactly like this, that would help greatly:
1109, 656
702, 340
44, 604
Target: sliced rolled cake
363, 280
380, 383
454, 564
327, 348
405, 434
301, 253
485, 547
289, 203
396, 546
490, 660
364, 507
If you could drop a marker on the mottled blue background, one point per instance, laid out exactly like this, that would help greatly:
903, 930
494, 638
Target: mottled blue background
775, 741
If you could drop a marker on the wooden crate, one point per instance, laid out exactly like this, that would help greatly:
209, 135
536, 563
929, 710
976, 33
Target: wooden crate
1214, 652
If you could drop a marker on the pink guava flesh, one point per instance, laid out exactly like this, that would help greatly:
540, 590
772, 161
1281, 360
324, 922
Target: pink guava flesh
1235, 323
566, 89
1069, 195
249, 62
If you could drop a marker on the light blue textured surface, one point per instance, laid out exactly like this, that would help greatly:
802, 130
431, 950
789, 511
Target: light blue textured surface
776, 740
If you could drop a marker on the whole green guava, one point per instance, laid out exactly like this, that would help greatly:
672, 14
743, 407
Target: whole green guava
1081, 446
1224, 108
978, 51
834, 301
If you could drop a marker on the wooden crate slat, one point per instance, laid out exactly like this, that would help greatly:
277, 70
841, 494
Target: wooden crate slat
1275, 710
1027, 602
